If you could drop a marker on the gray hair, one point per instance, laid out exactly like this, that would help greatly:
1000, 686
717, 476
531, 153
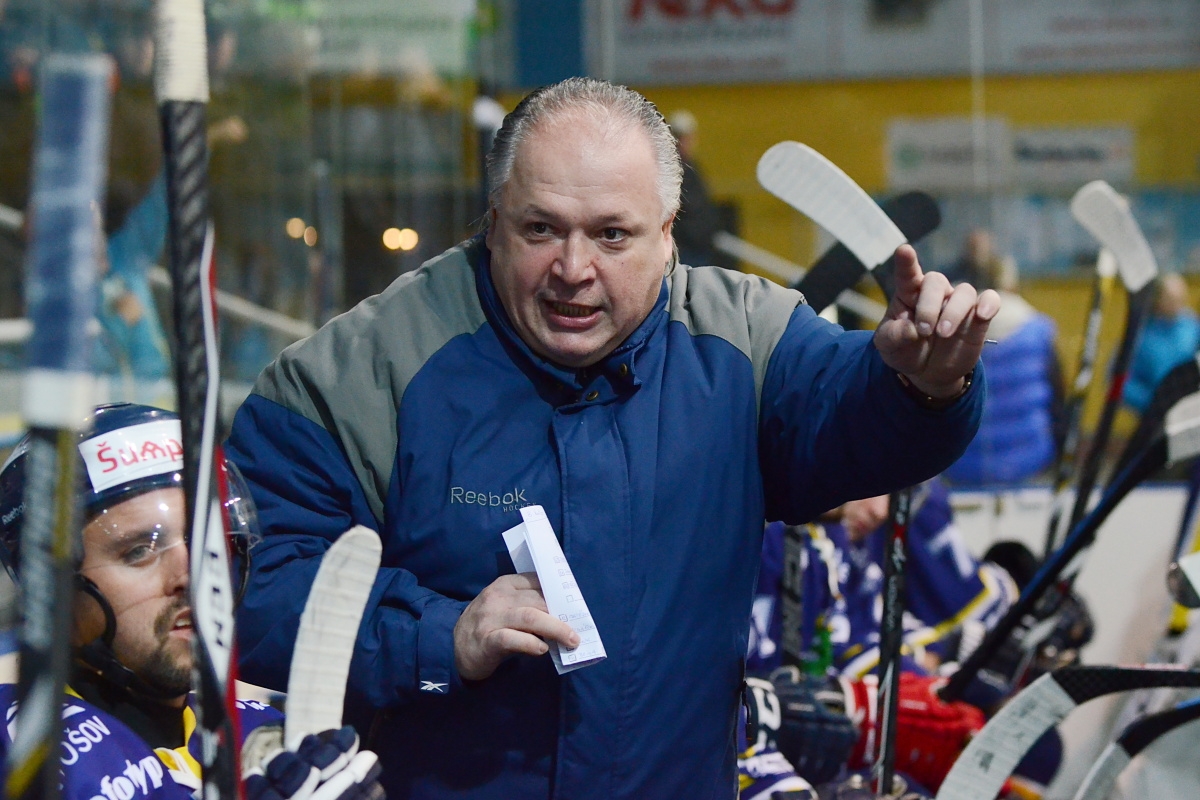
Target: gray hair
602, 100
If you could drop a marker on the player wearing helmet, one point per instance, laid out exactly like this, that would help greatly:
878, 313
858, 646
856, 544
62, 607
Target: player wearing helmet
127, 722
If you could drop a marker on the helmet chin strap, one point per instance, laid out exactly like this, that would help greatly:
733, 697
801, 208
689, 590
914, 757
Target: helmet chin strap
98, 656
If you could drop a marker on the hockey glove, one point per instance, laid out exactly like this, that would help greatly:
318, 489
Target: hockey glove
930, 733
324, 766
795, 718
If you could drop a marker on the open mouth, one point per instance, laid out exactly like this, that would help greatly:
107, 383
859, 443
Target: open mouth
183, 621
570, 310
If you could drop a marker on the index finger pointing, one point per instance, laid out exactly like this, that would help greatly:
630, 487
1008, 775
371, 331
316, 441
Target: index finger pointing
908, 274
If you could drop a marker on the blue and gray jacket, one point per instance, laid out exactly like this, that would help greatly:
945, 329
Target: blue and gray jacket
420, 413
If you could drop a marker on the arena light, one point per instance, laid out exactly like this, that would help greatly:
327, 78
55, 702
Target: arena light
295, 227
407, 239
310, 236
391, 238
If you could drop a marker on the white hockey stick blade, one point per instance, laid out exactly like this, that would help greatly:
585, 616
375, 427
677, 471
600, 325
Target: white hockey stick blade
1106, 215
1182, 426
816, 187
990, 758
328, 631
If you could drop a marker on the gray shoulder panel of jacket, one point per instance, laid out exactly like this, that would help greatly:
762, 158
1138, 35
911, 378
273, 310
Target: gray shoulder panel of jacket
350, 376
749, 312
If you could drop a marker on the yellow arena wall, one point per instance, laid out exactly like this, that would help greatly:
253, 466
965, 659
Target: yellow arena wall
847, 122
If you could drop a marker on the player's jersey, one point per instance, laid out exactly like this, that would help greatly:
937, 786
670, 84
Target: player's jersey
819, 563
102, 759
841, 586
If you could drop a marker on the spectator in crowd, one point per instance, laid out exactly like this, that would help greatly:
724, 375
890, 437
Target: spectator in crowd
698, 218
1171, 336
1019, 432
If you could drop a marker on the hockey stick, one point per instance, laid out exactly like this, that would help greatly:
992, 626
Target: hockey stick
1136, 737
1064, 462
328, 630
1105, 214
1177, 442
181, 87
916, 214
991, 756
69, 170
1177, 383
891, 635
819, 189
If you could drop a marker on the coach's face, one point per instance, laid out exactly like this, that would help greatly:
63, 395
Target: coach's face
578, 239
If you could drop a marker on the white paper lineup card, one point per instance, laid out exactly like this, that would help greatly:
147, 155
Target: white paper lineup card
533, 547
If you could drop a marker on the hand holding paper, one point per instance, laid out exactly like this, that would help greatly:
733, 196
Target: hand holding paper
508, 617
515, 613
533, 546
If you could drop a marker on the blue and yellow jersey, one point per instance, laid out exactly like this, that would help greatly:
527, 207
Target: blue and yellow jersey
102, 759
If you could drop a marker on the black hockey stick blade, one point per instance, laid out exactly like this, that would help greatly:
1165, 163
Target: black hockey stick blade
1136, 737
1182, 380
69, 170
916, 214
991, 756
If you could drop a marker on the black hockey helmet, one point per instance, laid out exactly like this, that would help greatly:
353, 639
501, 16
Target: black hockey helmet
126, 450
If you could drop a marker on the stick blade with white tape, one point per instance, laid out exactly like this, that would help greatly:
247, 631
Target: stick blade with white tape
328, 630
819, 189
69, 169
996, 750
916, 214
1136, 737
1106, 215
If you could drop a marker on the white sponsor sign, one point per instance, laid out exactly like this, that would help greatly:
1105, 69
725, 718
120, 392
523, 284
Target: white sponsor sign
657, 42
1068, 157
414, 37
139, 451
939, 153
697, 41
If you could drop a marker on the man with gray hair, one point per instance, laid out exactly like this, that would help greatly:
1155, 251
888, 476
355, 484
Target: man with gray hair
658, 413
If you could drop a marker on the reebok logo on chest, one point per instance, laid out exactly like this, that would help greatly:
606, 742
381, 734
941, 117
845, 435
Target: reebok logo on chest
506, 501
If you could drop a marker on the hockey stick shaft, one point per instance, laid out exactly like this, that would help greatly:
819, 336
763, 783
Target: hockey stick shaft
891, 635
68, 184
1080, 537
181, 85
1139, 305
791, 597
1064, 461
